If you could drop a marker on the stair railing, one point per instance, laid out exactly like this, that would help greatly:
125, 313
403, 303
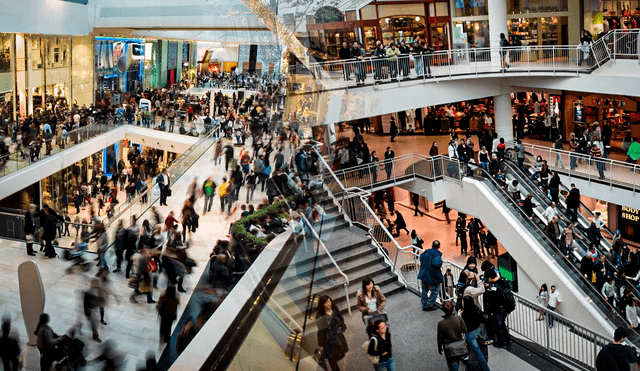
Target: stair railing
307, 226
353, 203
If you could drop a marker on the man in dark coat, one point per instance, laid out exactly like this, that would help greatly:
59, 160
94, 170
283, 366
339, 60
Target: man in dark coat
400, 223
573, 203
49, 233
615, 356
30, 228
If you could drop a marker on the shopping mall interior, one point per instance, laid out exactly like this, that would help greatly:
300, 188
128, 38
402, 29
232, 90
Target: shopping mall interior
286, 185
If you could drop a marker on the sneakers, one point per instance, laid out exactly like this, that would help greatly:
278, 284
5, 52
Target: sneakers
486, 342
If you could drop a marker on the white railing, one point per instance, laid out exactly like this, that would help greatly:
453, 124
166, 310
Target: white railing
601, 170
449, 63
567, 340
620, 44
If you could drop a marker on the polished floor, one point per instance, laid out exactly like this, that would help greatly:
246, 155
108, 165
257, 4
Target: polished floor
134, 327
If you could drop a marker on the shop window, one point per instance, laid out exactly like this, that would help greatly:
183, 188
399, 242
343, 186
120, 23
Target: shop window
5, 52
541, 6
402, 28
466, 8
477, 33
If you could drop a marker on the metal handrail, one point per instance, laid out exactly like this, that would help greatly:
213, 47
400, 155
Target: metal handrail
151, 184
346, 279
552, 153
583, 358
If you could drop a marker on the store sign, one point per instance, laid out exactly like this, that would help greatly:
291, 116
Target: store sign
629, 214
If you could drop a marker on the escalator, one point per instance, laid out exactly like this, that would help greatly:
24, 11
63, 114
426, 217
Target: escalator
537, 228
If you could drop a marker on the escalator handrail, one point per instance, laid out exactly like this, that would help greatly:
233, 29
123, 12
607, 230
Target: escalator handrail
581, 203
578, 231
554, 247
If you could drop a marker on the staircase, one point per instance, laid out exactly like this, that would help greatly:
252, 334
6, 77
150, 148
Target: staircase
354, 252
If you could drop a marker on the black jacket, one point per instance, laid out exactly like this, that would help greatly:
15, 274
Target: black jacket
586, 267
616, 357
379, 346
573, 199
29, 224
344, 53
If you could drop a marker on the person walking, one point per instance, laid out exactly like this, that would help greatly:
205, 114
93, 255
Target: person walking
415, 200
209, 191
554, 187
331, 327
370, 301
596, 154
393, 129
163, 183
400, 223
30, 229
451, 330
9, 348
49, 233
167, 308
504, 53
388, 161
473, 319
557, 145
430, 275
380, 346
250, 182
46, 342
616, 356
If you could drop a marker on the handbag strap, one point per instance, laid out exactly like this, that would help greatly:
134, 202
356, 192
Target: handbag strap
375, 347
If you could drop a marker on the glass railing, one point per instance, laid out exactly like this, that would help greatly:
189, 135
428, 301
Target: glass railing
144, 200
25, 156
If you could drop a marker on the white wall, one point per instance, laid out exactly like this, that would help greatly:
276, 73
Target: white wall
20, 179
535, 265
52, 17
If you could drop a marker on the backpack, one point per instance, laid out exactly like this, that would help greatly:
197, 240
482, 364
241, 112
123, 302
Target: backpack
365, 347
508, 300
208, 188
305, 162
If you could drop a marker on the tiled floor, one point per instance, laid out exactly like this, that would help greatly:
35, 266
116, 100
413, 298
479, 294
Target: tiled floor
134, 327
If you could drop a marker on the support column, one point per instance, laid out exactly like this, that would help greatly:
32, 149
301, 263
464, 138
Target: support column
503, 120
497, 21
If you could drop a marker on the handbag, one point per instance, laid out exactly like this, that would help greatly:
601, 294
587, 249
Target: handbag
30, 238
365, 347
456, 349
168, 192
152, 266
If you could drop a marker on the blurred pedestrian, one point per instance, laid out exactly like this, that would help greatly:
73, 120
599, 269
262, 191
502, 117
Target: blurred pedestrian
168, 311
9, 348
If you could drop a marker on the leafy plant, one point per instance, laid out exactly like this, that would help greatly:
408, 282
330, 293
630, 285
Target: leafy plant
239, 231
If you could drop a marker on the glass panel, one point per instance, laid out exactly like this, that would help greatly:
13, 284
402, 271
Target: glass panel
5, 52
477, 33
539, 6
467, 8
442, 9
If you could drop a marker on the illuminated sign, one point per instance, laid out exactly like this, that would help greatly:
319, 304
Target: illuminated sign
629, 223
629, 214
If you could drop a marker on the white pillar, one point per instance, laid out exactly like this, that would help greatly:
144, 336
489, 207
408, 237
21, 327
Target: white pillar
503, 120
497, 21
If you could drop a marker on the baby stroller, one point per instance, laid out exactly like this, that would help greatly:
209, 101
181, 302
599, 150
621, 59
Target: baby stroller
75, 256
72, 357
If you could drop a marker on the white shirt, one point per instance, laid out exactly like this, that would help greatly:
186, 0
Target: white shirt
550, 212
76, 118
165, 177
372, 303
554, 299
599, 222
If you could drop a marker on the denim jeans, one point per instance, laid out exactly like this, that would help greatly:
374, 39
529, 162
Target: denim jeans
429, 300
600, 168
472, 341
558, 158
388, 365
574, 158
550, 318
453, 365
418, 63
521, 164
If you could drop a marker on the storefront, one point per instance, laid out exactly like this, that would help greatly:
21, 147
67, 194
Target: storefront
407, 21
119, 67
542, 112
543, 22
618, 112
